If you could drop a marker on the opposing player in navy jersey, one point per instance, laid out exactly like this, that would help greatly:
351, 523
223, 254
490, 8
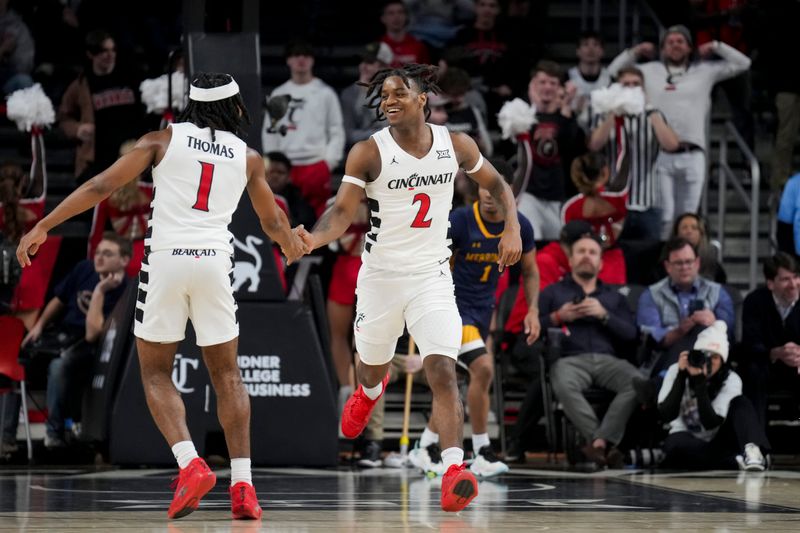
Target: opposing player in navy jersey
407, 172
200, 166
476, 231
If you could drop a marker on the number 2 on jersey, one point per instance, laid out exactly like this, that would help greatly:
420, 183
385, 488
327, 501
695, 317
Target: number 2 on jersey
424, 205
203, 190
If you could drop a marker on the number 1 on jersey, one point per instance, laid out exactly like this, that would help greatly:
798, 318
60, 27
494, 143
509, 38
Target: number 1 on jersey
203, 190
424, 205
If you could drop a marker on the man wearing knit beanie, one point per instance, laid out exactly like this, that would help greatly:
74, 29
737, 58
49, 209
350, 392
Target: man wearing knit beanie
711, 424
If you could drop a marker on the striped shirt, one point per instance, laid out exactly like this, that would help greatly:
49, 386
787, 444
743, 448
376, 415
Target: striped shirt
635, 134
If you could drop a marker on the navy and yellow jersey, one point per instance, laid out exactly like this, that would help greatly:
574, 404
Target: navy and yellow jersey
475, 271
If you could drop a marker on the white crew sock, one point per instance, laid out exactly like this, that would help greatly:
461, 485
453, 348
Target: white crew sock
452, 456
428, 437
479, 440
373, 393
240, 471
184, 452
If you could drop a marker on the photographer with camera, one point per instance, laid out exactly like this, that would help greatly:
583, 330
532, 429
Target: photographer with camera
711, 424
85, 297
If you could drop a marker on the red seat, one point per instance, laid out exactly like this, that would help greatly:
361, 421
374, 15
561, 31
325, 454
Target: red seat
12, 331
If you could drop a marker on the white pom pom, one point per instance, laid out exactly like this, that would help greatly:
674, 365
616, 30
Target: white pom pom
30, 107
154, 92
516, 117
618, 100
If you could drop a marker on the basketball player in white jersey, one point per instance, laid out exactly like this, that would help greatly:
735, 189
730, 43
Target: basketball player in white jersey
407, 171
200, 168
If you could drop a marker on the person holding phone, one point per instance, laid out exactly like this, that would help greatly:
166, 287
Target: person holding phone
676, 309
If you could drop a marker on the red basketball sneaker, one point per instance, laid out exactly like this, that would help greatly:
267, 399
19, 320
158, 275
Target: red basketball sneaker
244, 502
357, 410
192, 483
459, 487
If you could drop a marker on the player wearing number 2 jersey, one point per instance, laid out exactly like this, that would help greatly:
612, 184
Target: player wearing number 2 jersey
407, 172
200, 169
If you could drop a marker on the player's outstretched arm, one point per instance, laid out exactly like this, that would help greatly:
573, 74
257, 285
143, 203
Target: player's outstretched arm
94, 191
273, 219
338, 217
485, 175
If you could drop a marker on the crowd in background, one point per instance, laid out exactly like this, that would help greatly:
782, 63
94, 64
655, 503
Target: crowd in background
626, 181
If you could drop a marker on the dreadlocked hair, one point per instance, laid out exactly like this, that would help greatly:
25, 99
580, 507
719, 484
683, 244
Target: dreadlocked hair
220, 114
424, 76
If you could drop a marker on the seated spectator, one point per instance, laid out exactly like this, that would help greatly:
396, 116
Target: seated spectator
437, 103
86, 296
101, 110
16, 51
771, 335
311, 133
127, 209
604, 210
359, 120
788, 224
463, 117
691, 227
405, 47
287, 195
555, 141
594, 316
711, 424
589, 74
676, 309
437, 21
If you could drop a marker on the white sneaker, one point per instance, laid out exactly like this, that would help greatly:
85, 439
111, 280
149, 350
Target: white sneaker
394, 460
752, 460
486, 463
428, 459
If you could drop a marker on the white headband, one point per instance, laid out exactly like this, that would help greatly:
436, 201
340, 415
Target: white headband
215, 93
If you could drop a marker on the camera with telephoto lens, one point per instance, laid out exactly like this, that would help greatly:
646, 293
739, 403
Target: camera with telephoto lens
698, 358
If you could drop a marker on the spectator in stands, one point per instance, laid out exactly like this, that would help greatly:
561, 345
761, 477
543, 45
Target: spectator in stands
437, 21
16, 51
711, 424
359, 120
22, 204
788, 223
314, 134
405, 47
100, 109
781, 42
691, 227
729, 21
676, 309
86, 296
771, 335
555, 141
127, 210
680, 87
595, 317
437, 103
287, 195
463, 117
588, 75
487, 55
641, 138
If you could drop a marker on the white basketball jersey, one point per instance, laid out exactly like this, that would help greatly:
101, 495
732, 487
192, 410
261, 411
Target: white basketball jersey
198, 184
410, 204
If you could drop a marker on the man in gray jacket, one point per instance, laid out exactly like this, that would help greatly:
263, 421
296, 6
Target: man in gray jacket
680, 86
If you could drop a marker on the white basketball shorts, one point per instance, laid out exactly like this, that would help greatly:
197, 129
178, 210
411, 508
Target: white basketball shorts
180, 284
425, 301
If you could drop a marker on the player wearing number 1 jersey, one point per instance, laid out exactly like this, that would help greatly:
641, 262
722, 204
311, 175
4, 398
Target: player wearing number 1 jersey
200, 169
407, 172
